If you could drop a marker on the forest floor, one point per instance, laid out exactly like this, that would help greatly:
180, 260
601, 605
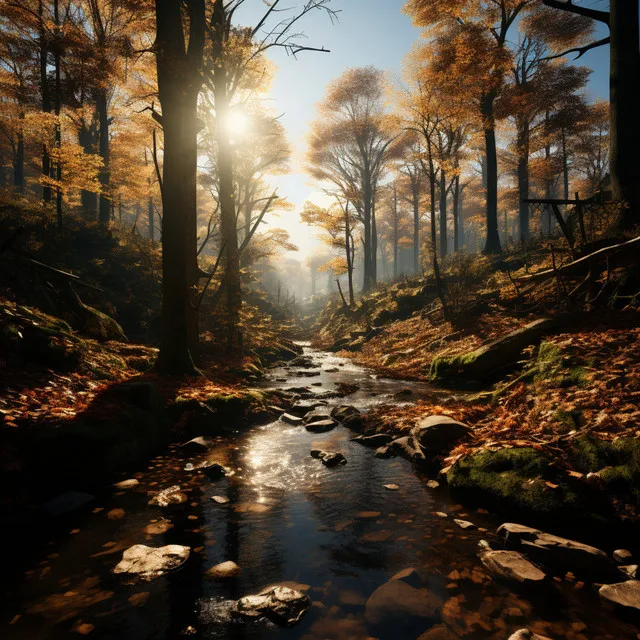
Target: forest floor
569, 403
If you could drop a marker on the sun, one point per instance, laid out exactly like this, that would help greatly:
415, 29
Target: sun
238, 124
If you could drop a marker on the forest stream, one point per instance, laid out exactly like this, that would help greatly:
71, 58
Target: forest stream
337, 534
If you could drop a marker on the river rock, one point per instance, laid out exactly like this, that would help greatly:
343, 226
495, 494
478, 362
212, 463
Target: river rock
169, 496
281, 605
329, 458
622, 556
126, 484
377, 440
291, 419
343, 411
405, 447
397, 610
512, 566
624, 594
554, 550
317, 415
321, 426
302, 408
525, 634
220, 499
228, 569
385, 452
147, 563
437, 435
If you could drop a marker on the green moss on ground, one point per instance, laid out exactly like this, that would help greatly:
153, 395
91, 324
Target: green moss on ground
512, 478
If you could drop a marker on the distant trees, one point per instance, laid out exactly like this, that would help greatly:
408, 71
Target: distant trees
350, 147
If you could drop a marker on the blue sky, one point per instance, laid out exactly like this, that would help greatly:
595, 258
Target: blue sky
368, 32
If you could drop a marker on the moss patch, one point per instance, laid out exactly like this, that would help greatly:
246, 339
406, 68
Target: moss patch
513, 478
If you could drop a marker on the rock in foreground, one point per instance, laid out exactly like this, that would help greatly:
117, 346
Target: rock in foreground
624, 594
147, 563
397, 610
281, 605
512, 566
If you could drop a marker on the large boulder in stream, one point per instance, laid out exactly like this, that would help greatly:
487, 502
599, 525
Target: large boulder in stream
557, 552
399, 610
437, 435
622, 594
477, 367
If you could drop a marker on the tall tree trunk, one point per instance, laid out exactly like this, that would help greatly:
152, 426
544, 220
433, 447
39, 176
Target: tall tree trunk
623, 115
456, 214
374, 241
522, 143
366, 221
18, 161
443, 214
565, 162
416, 228
104, 212
228, 223
492, 244
349, 251
58, 108
179, 84
89, 199
395, 233
44, 89
151, 219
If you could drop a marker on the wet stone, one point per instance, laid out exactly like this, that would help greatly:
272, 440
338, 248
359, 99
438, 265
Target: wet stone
126, 484
512, 566
140, 562
624, 594
291, 419
281, 605
622, 556
224, 570
212, 469
464, 524
525, 634
196, 445
321, 426
329, 458
220, 499
377, 440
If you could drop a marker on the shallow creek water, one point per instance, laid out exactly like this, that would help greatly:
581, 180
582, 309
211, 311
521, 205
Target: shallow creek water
339, 532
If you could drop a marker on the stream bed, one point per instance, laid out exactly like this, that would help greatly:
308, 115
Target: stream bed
337, 534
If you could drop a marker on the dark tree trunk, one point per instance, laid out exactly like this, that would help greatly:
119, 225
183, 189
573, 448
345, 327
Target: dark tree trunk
86, 139
443, 214
492, 244
46, 102
18, 161
416, 229
625, 98
151, 219
456, 214
179, 84
228, 223
104, 213
374, 242
522, 143
366, 220
565, 162
349, 251
58, 108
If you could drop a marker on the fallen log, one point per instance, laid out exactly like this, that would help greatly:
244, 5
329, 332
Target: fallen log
576, 266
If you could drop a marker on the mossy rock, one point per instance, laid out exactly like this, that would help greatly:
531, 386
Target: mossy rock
522, 479
477, 367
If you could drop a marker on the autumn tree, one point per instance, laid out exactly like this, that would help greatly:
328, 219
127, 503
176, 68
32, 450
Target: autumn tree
624, 63
350, 147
